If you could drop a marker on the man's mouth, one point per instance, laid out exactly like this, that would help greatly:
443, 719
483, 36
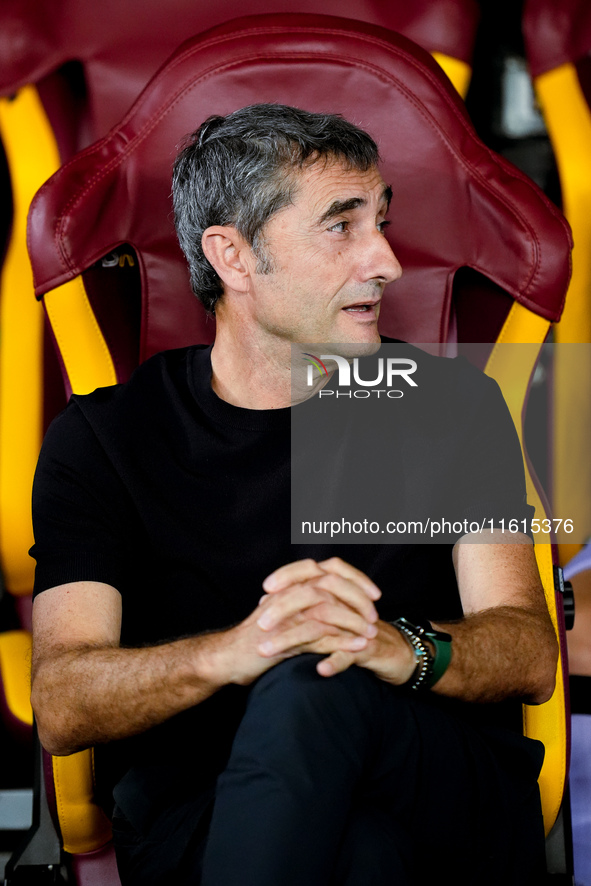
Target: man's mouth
361, 308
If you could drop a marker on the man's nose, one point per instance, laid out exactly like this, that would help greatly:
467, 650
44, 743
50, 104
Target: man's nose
383, 262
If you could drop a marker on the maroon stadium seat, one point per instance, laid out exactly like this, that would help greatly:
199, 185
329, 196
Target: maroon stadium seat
485, 255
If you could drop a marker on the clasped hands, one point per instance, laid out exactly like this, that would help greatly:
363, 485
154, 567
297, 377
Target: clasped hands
327, 608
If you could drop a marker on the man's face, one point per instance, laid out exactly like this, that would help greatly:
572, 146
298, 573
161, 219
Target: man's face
330, 259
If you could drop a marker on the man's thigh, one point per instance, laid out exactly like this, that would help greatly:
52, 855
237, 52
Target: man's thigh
428, 780
170, 850
473, 799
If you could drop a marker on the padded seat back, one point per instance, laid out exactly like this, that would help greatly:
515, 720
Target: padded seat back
453, 200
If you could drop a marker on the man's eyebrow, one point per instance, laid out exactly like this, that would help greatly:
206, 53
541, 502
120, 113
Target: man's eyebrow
337, 207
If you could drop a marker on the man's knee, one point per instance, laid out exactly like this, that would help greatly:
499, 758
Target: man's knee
295, 705
302, 731
296, 682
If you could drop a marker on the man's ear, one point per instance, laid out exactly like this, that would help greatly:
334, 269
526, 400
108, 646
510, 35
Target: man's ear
230, 256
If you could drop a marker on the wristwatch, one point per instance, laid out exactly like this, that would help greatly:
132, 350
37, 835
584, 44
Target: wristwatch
431, 666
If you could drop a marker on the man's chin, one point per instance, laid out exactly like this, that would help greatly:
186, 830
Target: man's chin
344, 348
351, 349
349, 343
361, 342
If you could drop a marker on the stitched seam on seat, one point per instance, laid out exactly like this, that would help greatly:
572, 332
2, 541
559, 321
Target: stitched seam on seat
363, 65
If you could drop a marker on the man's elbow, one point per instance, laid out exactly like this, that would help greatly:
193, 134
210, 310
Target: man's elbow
55, 744
54, 727
543, 692
544, 672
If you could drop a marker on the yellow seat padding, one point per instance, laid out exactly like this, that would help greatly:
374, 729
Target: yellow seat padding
459, 72
32, 157
511, 363
568, 120
15, 673
83, 824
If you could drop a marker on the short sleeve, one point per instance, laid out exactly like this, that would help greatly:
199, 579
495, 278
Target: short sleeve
80, 509
491, 469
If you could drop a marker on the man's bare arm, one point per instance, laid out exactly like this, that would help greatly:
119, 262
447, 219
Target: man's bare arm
505, 646
86, 689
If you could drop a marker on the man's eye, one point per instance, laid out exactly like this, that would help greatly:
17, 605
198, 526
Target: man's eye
383, 225
340, 227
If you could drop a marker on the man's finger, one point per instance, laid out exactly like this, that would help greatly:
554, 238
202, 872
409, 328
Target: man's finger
336, 566
343, 617
336, 663
349, 593
291, 573
309, 636
281, 607
315, 603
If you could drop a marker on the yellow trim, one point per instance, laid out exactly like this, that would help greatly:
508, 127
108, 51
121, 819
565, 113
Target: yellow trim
568, 119
571, 436
83, 824
521, 327
15, 668
459, 72
32, 157
79, 338
512, 363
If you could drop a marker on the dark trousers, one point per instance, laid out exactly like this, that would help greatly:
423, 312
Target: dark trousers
352, 782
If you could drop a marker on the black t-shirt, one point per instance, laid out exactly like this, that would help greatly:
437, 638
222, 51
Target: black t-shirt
181, 500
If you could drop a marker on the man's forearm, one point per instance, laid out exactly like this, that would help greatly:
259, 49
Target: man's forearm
87, 690
507, 650
500, 653
91, 695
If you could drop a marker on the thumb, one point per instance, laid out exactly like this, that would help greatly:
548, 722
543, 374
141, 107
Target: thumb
336, 663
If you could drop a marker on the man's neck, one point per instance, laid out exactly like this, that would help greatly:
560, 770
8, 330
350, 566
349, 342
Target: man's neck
247, 374
255, 370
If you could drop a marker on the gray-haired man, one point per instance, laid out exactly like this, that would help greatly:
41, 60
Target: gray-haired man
254, 694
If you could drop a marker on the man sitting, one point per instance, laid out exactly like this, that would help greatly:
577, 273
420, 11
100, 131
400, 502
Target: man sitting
252, 699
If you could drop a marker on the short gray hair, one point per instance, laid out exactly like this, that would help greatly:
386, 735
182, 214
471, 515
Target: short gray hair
239, 170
